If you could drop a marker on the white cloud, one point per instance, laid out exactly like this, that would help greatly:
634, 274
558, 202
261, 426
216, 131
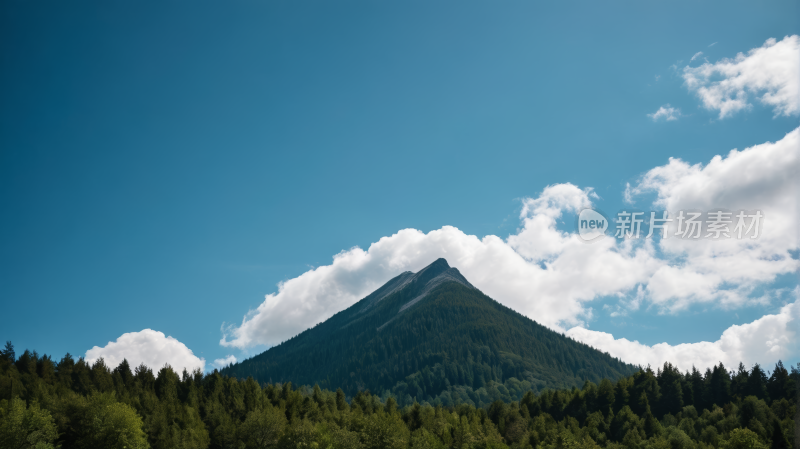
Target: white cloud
541, 272
762, 177
696, 55
627, 195
222, 363
765, 341
711, 45
667, 112
771, 71
552, 276
150, 347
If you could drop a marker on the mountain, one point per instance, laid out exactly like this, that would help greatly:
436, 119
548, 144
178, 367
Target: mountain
432, 336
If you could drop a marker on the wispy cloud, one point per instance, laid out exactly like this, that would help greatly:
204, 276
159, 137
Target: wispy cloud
666, 112
627, 194
770, 72
696, 55
711, 45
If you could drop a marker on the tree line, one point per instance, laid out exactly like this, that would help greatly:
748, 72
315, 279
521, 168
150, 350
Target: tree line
75, 404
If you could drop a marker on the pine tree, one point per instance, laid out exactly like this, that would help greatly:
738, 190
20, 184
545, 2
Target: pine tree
739, 382
757, 383
669, 382
8, 352
720, 385
341, 403
605, 396
778, 385
698, 389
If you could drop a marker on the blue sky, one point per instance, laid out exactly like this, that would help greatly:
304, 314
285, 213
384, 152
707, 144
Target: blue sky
164, 165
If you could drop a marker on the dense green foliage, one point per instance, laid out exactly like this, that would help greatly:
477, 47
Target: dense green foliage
453, 368
71, 404
455, 346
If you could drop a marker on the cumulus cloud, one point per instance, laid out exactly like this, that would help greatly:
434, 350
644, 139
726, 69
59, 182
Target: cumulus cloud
150, 347
770, 72
222, 363
542, 272
765, 341
666, 112
762, 177
552, 276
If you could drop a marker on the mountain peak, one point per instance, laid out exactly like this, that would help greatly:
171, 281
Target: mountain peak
430, 335
431, 277
439, 264
438, 267
417, 284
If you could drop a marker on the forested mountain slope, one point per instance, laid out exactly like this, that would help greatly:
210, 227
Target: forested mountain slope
431, 336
